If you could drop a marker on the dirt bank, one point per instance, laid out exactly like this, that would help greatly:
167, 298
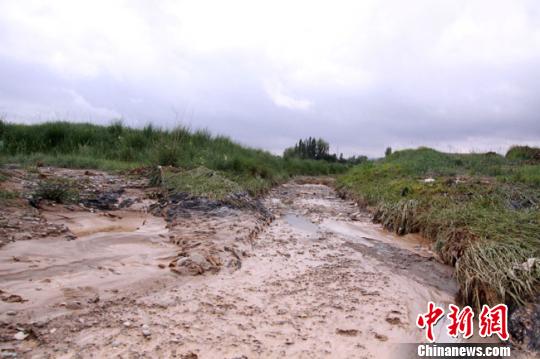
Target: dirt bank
320, 280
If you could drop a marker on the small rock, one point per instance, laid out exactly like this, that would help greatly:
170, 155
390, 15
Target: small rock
20, 336
146, 330
11, 312
126, 324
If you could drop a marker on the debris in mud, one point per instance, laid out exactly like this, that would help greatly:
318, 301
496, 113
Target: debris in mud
189, 355
11, 298
211, 233
524, 325
191, 264
105, 200
183, 205
20, 223
348, 332
393, 320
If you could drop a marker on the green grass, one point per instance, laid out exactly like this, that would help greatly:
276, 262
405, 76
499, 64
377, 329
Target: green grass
481, 212
199, 181
117, 147
524, 153
59, 190
6, 195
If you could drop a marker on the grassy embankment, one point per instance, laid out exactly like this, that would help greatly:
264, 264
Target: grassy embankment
116, 147
482, 212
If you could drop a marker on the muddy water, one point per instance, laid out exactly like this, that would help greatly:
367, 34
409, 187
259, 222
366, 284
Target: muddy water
320, 281
111, 252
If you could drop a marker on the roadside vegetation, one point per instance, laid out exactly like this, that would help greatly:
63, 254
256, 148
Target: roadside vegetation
480, 210
117, 147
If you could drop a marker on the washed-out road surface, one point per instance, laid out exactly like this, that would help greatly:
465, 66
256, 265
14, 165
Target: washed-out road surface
321, 280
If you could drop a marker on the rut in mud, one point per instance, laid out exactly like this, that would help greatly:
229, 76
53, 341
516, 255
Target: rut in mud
319, 281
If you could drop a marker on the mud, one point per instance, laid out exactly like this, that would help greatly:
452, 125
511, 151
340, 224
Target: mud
311, 278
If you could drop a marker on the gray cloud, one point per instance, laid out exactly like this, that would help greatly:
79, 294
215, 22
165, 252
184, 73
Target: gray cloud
364, 75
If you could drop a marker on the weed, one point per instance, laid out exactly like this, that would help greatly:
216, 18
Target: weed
58, 190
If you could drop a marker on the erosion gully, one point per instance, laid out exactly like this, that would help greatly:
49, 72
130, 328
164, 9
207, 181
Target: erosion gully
321, 280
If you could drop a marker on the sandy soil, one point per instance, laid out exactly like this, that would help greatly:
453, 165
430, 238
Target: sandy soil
319, 281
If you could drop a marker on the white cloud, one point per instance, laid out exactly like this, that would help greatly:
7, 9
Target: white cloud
276, 93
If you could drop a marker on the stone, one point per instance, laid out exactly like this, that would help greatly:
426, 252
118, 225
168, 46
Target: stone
146, 330
20, 336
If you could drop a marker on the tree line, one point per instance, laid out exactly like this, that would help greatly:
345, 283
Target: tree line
318, 149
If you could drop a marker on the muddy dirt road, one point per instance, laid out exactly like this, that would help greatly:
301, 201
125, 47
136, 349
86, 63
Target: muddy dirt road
320, 281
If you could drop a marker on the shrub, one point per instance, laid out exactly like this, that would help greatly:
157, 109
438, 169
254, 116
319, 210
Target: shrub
58, 190
524, 153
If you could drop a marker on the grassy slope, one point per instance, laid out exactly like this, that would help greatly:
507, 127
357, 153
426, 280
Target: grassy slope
117, 147
482, 213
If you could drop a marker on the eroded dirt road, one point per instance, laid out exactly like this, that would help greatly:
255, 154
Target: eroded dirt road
319, 281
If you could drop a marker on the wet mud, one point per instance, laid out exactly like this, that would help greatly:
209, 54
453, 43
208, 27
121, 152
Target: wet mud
309, 277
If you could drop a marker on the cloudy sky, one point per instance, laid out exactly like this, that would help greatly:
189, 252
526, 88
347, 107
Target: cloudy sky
452, 74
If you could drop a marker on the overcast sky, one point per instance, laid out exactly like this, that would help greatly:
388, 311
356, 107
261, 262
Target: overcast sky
452, 74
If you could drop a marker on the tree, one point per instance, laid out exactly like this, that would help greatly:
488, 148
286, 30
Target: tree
310, 148
388, 151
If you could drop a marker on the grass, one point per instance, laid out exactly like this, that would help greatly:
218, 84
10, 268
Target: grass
59, 190
480, 210
6, 195
524, 153
199, 181
118, 148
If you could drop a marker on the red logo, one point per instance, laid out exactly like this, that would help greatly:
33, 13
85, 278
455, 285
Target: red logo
494, 321
491, 321
460, 321
429, 319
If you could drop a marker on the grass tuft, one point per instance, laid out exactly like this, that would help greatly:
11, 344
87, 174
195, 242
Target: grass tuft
58, 190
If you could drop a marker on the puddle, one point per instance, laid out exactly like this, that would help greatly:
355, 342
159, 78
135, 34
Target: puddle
369, 234
87, 223
112, 253
301, 223
350, 231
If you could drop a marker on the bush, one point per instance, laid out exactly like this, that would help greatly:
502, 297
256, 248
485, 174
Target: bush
58, 190
524, 153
